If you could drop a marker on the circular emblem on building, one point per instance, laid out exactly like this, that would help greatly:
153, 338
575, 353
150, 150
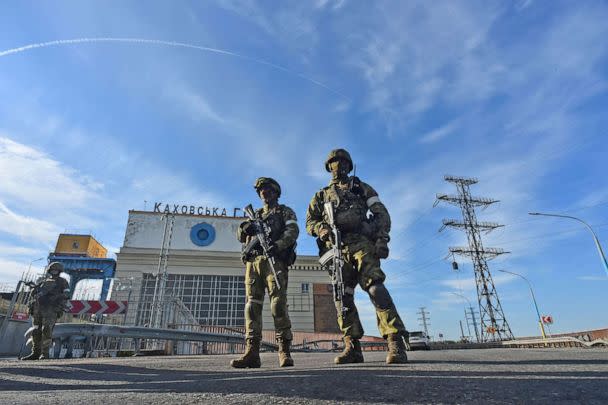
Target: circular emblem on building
202, 234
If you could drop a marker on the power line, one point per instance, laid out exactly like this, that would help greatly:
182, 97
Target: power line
425, 242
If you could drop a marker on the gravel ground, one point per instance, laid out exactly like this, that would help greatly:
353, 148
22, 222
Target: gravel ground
490, 376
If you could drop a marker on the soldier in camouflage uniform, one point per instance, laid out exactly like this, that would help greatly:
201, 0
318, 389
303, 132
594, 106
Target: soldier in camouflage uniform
259, 278
365, 242
49, 297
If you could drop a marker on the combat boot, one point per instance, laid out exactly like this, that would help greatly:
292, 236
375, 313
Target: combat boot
34, 355
352, 352
36, 345
285, 359
396, 349
251, 358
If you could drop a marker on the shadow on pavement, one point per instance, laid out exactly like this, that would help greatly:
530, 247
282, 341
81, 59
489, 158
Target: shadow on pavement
391, 384
568, 362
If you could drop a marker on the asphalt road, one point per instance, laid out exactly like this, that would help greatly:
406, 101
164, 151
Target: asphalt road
490, 376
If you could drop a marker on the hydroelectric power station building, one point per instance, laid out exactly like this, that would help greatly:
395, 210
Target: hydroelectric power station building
204, 275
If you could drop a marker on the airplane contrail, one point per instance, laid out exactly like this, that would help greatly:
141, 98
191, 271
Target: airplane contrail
72, 41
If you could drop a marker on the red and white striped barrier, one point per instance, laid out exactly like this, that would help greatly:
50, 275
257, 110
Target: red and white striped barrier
97, 307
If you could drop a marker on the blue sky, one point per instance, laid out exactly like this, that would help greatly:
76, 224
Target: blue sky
512, 93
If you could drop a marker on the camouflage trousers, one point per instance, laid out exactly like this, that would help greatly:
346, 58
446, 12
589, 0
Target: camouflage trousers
362, 267
42, 336
258, 280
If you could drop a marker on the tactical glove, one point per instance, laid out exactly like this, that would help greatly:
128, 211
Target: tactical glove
382, 248
324, 233
248, 228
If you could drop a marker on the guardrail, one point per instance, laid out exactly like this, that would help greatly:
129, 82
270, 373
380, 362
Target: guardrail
68, 333
566, 341
66, 330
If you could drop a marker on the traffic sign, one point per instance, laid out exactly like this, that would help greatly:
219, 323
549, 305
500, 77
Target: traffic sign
547, 319
81, 307
20, 316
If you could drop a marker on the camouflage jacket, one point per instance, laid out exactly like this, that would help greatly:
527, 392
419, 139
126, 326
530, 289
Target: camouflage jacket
51, 293
352, 200
283, 225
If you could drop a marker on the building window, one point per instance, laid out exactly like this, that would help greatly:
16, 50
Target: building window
299, 298
211, 300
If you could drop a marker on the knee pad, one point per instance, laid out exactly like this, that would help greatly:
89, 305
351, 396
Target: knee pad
253, 307
278, 307
380, 296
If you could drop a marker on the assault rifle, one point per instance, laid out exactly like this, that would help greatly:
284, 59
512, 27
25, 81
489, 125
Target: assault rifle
262, 232
35, 289
333, 258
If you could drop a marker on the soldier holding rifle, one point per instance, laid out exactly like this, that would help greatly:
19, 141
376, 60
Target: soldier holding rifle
269, 240
351, 245
47, 304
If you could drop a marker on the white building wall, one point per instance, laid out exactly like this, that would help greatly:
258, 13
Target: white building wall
145, 230
141, 250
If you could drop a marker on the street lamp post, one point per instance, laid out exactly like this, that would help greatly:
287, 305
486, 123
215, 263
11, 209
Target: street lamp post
540, 319
472, 315
32, 262
595, 239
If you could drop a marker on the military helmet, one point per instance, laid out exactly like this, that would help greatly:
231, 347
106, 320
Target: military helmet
267, 181
54, 266
338, 154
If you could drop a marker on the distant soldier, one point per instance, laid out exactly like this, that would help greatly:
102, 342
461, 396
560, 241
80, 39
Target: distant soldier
47, 304
269, 240
364, 243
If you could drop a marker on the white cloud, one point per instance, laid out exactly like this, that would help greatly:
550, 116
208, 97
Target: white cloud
11, 271
409, 47
467, 287
193, 103
295, 25
335, 4
18, 251
439, 133
594, 198
463, 284
33, 179
25, 227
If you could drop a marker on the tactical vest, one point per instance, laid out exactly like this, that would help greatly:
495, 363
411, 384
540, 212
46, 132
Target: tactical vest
49, 294
276, 222
350, 208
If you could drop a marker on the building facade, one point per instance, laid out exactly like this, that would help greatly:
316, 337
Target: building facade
191, 265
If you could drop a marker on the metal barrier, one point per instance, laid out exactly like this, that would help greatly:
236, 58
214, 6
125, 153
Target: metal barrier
113, 339
566, 341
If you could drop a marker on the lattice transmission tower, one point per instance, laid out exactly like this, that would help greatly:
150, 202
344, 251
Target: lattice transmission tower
493, 323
